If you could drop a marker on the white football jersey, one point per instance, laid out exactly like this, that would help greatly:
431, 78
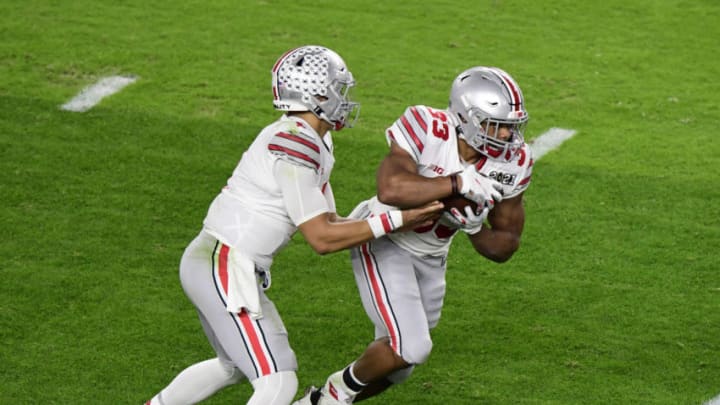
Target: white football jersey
249, 213
429, 136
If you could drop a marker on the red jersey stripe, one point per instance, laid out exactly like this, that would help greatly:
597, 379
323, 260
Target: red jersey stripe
419, 118
412, 134
294, 153
299, 140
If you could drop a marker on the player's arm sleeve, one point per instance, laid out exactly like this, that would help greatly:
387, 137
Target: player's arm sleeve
297, 148
303, 198
329, 197
410, 131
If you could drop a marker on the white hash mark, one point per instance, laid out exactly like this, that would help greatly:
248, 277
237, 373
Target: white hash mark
714, 401
549, 141
91, 95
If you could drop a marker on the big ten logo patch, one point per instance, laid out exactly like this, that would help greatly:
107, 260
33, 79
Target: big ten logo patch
436, 169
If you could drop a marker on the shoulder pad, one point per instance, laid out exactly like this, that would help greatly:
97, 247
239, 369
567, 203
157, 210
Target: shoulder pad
410, 130
296, 147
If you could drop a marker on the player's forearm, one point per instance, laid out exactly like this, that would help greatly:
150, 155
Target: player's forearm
326, 236
341, 235
498, 246
411, 190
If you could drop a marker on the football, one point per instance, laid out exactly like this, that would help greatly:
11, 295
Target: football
459, 202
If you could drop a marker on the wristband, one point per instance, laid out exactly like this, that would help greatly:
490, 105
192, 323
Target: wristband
385, 223
453, 183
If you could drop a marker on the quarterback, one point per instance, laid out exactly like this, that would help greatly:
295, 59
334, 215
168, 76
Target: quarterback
280, 185
401, 276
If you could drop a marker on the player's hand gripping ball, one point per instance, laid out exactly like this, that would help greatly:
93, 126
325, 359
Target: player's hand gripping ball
476, 189
459, 202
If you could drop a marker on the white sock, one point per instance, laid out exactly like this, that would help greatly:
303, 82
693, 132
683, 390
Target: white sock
197, 383
343, 385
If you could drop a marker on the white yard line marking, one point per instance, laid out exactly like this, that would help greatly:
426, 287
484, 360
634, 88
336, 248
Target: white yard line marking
714, 401
550, 140
92, 95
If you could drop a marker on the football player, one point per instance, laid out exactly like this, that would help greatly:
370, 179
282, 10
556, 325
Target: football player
280, 185
401, 276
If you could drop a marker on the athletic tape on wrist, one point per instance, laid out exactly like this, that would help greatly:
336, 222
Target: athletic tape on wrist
385, 223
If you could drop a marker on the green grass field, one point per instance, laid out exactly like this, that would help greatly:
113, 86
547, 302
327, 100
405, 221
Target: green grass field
613, 298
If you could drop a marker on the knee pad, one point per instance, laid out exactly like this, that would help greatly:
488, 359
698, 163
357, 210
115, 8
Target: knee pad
274, 389
233, 374
401, 375
417, 350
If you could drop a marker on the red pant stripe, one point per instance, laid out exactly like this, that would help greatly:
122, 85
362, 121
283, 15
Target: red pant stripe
380, 298
247, 326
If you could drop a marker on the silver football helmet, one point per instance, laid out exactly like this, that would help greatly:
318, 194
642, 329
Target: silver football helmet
485, 97
315, 78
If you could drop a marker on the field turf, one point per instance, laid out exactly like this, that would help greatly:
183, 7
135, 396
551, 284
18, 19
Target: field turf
613, 297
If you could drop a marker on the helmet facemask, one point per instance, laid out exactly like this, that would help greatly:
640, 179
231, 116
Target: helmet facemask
483, 134
335, 106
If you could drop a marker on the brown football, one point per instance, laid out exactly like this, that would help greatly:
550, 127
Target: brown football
459, 202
